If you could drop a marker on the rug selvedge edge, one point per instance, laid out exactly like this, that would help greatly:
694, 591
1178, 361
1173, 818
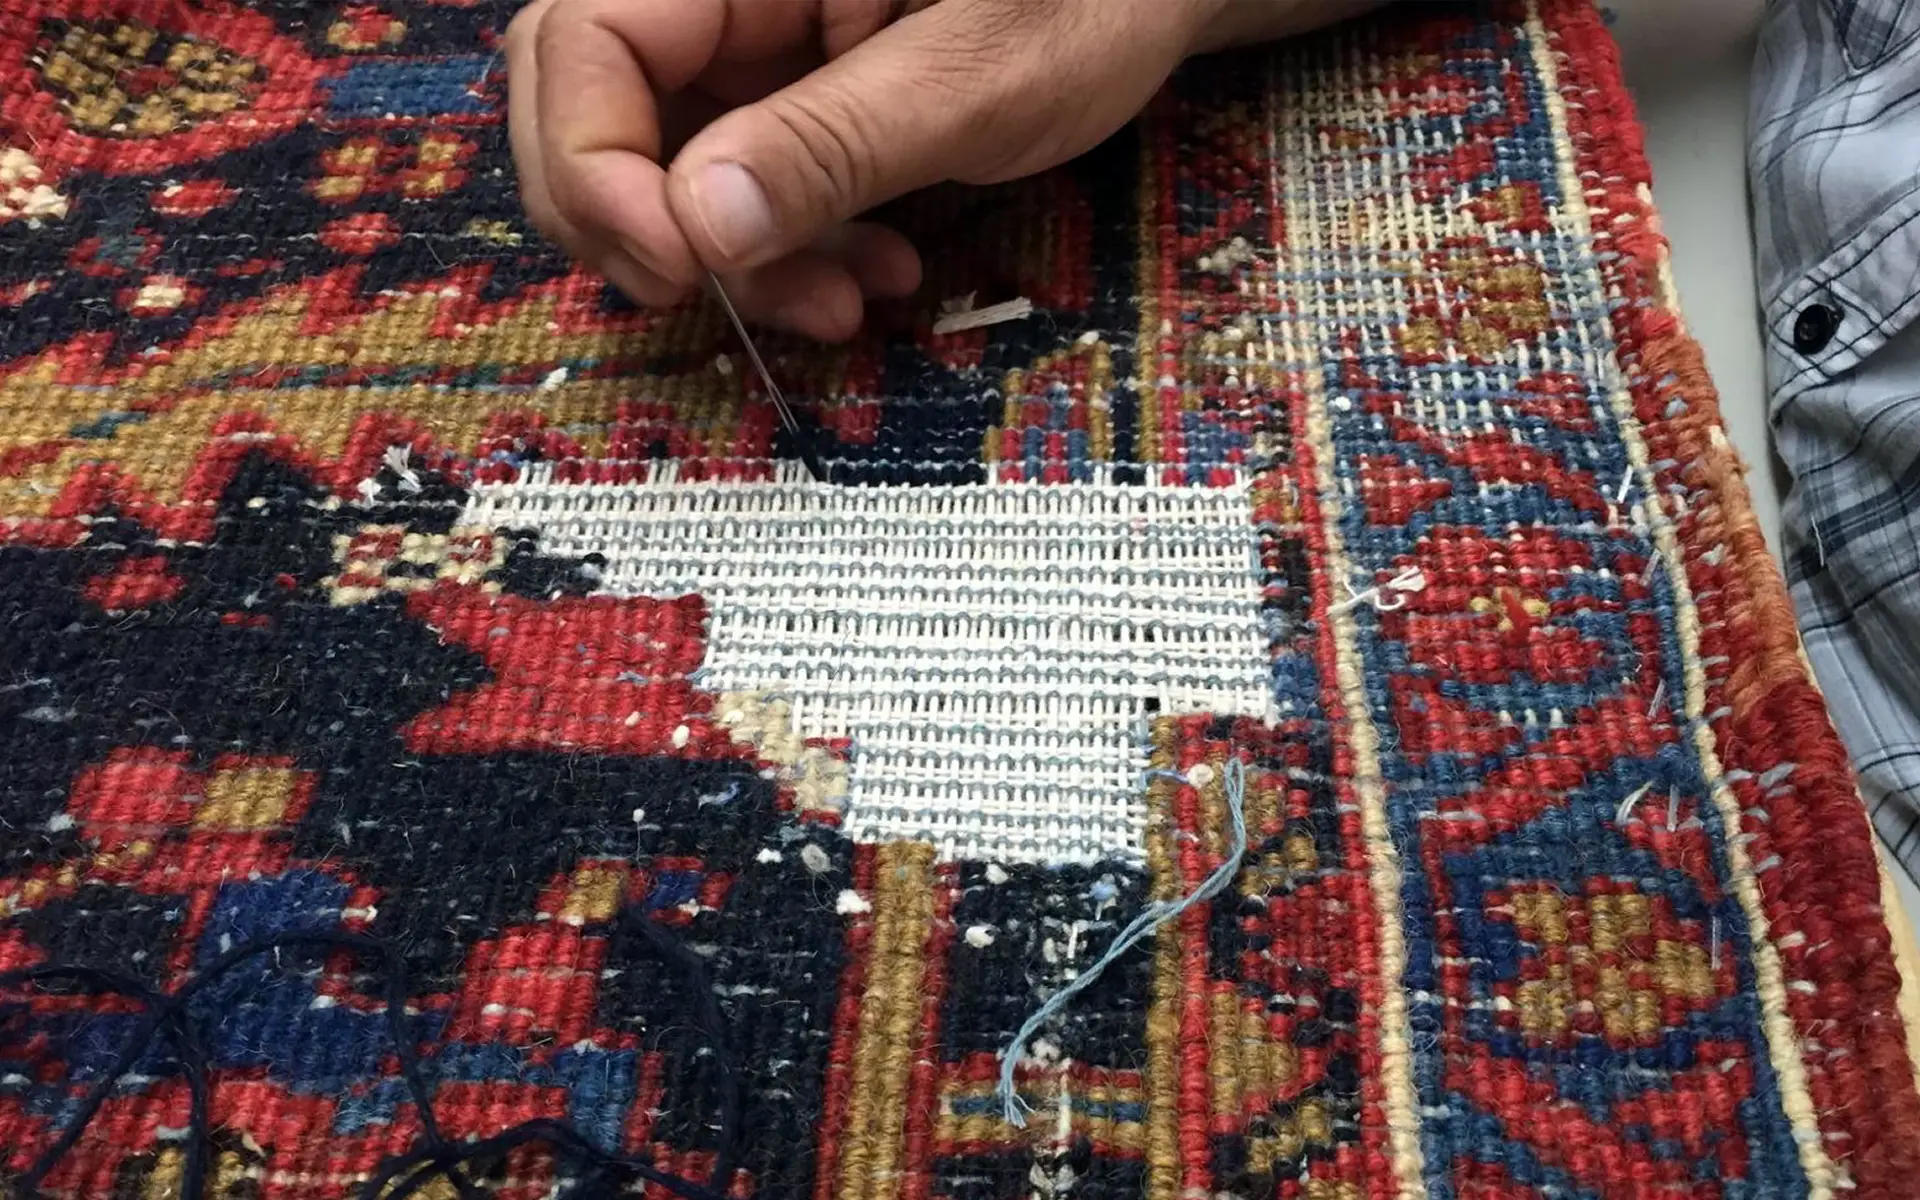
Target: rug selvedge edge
1767, 680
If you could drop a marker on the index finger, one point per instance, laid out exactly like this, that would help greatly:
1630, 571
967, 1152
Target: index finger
602, 65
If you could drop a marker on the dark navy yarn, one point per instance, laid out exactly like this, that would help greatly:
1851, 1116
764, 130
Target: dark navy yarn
169, 1016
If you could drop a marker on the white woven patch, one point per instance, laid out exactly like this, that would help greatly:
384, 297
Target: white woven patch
990, 650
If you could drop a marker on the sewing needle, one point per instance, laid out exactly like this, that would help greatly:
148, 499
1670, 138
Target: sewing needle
800, 435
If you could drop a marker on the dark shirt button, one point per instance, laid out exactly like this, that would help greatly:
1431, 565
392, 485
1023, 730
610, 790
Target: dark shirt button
1814, 328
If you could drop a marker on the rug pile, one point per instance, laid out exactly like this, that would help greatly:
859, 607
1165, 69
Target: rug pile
449, 748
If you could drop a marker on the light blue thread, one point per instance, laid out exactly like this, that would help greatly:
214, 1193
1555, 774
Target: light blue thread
1012, 1107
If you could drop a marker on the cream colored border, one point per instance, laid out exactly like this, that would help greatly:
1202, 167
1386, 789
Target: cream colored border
1384, 876
1783, 1044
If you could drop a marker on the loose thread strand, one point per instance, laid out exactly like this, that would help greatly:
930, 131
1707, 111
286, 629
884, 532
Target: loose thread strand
1012, 1107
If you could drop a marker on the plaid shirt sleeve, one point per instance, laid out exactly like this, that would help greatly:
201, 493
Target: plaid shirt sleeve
1835, 172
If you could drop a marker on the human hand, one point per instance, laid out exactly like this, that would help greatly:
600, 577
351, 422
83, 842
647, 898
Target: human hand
656, 139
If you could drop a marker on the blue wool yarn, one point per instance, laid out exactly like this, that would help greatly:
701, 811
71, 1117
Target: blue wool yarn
1142, 927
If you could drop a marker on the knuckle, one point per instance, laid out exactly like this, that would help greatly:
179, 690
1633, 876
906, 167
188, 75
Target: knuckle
837, 138
551, 33
563, 23
554, 229
541, 213
981, 40
566, 178
994, 65
566, 196
520, 28
563, 26
525, 26
997, 22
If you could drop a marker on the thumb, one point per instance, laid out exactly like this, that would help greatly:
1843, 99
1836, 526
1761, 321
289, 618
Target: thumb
916, 103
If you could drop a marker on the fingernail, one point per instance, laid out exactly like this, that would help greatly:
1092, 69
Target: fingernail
733, 208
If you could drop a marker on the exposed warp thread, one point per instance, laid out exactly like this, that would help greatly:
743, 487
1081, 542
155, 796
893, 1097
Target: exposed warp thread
1138, 930
434, 1157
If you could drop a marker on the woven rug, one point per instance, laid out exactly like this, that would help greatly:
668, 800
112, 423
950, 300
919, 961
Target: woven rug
1322, 662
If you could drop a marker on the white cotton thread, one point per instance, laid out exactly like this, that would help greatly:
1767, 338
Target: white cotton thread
1624, 812
959, 314
990, 649
398, 459
1411, 579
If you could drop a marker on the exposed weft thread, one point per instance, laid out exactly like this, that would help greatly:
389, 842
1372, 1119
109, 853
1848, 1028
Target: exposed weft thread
434, 1157
1390, 596
1142, 927
959, 315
